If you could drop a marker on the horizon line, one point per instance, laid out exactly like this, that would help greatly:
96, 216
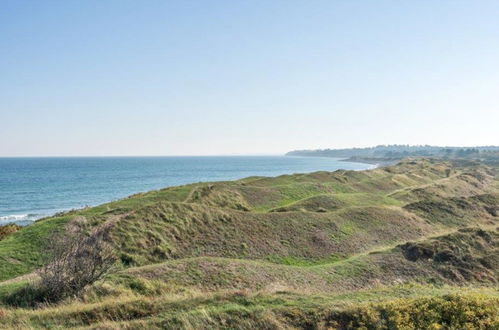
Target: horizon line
151, 156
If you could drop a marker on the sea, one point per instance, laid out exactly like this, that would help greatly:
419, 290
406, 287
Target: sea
33, 188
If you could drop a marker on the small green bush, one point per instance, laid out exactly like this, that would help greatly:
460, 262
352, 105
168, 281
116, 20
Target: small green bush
8, 229
446, 312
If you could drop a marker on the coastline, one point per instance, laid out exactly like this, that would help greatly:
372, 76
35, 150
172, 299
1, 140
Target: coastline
23, 213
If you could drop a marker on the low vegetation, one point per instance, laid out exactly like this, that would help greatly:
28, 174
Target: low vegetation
8, 229
74, 261
410, 246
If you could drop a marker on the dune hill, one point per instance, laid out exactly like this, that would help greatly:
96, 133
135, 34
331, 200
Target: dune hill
341, 249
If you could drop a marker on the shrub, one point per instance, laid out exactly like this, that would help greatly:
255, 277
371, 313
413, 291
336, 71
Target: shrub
8, 229
76, 260
447, 312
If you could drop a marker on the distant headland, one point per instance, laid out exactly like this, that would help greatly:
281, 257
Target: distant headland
386, 154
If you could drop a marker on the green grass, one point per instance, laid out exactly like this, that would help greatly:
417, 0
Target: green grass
21, 252
306, 250
339, 213
425, 305
294, 261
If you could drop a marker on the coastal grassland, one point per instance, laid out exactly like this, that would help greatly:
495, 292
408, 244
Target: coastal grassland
20, 252
398, 285
316, 215
408, 306
345, 249
461, 257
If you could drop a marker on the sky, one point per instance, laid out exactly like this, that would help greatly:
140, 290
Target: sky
213, 77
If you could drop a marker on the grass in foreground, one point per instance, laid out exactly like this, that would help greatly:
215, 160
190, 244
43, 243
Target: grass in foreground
401, 307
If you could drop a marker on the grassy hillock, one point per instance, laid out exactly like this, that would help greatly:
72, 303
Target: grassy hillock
413, 245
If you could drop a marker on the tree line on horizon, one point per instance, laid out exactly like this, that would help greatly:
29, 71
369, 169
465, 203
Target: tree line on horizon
402, 151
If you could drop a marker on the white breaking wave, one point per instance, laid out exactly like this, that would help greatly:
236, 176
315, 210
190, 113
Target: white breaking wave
15, 217
21, 219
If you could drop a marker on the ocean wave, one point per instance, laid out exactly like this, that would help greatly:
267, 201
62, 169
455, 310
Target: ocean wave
21, 219
14, 217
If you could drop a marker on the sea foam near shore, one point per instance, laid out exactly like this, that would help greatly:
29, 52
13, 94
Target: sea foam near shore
20, 219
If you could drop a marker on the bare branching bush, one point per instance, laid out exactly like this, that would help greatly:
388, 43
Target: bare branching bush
75, 260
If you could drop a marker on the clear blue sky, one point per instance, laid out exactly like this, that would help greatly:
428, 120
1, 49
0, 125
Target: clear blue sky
245, 77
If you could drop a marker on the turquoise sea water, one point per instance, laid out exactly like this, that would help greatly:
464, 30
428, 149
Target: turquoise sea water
31, 188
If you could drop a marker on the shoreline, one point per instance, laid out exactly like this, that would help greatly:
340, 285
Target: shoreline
26, 219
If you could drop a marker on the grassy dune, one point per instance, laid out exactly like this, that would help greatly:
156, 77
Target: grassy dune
414, 244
